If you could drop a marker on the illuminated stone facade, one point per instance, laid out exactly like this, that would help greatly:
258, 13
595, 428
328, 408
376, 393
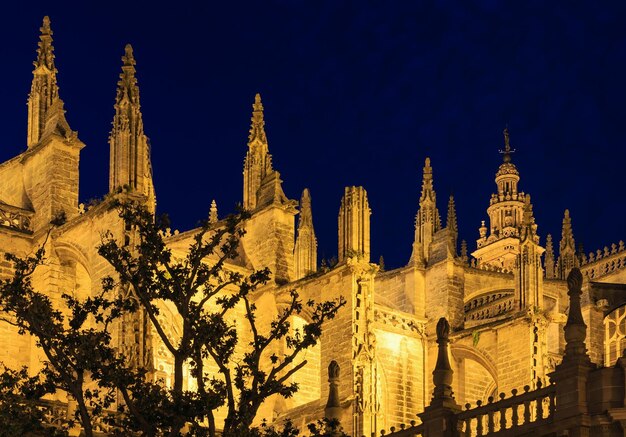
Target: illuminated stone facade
506, 303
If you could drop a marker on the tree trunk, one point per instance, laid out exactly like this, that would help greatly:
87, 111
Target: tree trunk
177, 392
85, 418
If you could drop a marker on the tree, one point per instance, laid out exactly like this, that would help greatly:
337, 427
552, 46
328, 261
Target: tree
205, 294
73, 350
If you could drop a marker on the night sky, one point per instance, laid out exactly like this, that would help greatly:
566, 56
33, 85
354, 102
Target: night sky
355, 93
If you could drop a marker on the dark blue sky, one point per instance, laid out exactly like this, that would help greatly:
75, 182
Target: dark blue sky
356, 93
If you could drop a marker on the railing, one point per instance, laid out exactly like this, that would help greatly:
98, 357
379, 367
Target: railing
519, 412
54, 412
15, 218
56, 415
412, 430
604, 266
486, 307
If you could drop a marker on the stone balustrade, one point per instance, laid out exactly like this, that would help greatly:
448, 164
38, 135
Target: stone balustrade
521, 412
412, 430
597, 267
15, 218
489, 306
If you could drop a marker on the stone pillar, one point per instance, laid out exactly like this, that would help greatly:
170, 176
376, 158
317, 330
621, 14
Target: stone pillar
571, 375
439, 417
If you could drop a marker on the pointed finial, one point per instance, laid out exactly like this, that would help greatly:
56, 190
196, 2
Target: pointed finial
507, 146
127, 89
213, 212
257, 128
45, 51
258, 105
45, 28
306, 197
451, 222
128, 59
567, 235
427, 182
306, 215
428, 170
464, 256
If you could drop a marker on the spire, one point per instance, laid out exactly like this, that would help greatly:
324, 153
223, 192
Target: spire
44, 90
258, 161
567, 248
130, 166
549, 259
451, 226
213, 212
451, 218
305, 249
427, 220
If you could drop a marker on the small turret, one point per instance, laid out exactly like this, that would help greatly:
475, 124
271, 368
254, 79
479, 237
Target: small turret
130, 166
529, 272
354, 225
258, 161
496, 242
305, 251
44, 90
427, 220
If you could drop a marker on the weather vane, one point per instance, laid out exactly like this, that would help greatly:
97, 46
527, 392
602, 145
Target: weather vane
507, 146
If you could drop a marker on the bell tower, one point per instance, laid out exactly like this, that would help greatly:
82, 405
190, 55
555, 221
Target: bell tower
498, 245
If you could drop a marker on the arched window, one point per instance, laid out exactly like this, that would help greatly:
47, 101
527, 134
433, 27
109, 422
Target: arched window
614, 335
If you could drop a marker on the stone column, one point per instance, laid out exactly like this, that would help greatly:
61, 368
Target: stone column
571, 375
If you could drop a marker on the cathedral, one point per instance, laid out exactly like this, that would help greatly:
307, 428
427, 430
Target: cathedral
505, 297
